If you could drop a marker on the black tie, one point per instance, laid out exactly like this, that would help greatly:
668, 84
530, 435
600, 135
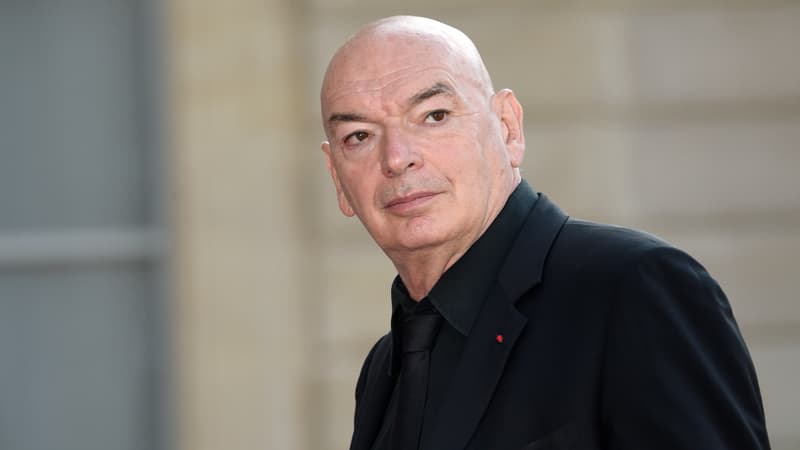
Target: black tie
417, 334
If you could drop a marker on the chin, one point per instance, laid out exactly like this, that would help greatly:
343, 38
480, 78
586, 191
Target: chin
420, 240
418, 233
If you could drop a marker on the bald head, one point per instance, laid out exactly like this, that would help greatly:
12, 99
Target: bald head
394, 43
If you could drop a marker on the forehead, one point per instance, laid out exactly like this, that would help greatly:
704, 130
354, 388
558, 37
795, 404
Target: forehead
395, 87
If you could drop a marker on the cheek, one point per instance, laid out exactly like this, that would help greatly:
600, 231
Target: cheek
359, 188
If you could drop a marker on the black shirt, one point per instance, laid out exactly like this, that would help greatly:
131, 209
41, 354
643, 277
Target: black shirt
458, 296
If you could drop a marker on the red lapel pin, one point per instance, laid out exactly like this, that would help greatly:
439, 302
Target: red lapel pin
499, 338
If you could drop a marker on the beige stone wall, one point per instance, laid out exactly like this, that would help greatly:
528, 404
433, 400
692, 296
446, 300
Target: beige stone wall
243, 349
680, 117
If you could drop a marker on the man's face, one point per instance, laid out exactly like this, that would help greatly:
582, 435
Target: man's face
416, 148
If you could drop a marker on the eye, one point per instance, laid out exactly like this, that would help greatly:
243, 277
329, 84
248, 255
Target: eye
359, 136
436, 116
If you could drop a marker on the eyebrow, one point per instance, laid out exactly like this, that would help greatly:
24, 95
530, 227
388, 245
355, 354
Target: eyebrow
437, 89
345, 117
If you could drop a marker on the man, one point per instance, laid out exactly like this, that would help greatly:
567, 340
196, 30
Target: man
513, 326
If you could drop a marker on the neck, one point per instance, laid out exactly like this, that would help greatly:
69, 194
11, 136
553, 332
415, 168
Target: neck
422, 269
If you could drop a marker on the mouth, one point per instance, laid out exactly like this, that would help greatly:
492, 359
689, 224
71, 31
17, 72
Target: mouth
409, 202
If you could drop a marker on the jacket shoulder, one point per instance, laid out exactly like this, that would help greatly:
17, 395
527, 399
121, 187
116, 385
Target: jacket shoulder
602, 248
604, 238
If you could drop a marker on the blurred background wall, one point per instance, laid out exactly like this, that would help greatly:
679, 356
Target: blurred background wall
174, 272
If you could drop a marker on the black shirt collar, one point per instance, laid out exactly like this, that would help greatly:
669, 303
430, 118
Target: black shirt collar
460, 292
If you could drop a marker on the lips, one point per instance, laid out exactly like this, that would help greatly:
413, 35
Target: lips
409, 201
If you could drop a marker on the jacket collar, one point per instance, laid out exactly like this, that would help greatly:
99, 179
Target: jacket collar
524, 266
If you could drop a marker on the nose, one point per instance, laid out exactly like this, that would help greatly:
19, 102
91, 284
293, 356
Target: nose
399, 154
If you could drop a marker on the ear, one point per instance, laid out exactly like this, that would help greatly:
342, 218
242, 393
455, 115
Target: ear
508, 109
344, 204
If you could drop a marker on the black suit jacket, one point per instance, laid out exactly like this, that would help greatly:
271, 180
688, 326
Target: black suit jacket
612, 339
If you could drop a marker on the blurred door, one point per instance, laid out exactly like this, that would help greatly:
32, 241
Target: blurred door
79, 250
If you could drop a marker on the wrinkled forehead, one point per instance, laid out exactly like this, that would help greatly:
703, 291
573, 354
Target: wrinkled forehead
397, 78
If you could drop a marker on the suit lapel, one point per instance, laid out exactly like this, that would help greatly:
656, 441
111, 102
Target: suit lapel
481, 366
374, 398
485, 354
524, 266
